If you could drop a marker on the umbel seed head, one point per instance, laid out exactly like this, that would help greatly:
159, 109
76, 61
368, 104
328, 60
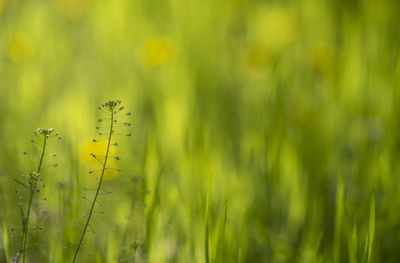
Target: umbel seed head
111, 105
43, 132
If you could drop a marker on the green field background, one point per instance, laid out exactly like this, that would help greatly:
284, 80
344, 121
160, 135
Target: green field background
286, 112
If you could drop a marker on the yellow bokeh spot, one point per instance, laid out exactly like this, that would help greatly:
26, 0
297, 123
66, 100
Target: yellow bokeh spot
256, 56
20, 48
86, 148
254, 59
277, 27
156, 51
322, 58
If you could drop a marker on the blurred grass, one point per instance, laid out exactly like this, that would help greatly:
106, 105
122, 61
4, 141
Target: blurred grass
273, 98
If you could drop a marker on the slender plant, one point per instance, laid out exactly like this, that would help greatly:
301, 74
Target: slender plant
113, 110
30, 184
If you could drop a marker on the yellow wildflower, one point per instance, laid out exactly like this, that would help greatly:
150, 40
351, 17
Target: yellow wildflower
276, 27
254, 60
156, 51
20, 48
322, 58
87, 148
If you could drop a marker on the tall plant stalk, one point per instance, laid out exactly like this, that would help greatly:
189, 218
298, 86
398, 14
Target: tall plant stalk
109, 107
31, 186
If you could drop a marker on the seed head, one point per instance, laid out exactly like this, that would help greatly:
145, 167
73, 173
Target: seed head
111, 105
43, 132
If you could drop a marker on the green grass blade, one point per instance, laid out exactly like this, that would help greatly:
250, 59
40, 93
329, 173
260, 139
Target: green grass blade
338, 220
206, 231
352, 244
5, 239
219, 257
371, 228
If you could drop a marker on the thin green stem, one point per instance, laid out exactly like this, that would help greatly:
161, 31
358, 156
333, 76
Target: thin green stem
41, 157
31, 193
98, 188
28, 210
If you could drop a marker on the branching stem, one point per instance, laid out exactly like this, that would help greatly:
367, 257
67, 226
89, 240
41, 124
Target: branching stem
32, 191
98, 188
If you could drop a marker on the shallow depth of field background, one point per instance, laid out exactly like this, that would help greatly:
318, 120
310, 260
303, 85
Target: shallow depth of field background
289, 111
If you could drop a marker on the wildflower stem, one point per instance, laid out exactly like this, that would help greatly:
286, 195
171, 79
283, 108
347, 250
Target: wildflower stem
41, 157
98, 187
32, 191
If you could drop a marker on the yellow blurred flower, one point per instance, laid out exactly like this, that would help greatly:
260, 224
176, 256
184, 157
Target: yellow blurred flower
322, 58
87, 148
256, 56
20, 48
254, 59
277, 26
156, 51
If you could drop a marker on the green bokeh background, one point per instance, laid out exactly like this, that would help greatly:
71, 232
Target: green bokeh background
287, 110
